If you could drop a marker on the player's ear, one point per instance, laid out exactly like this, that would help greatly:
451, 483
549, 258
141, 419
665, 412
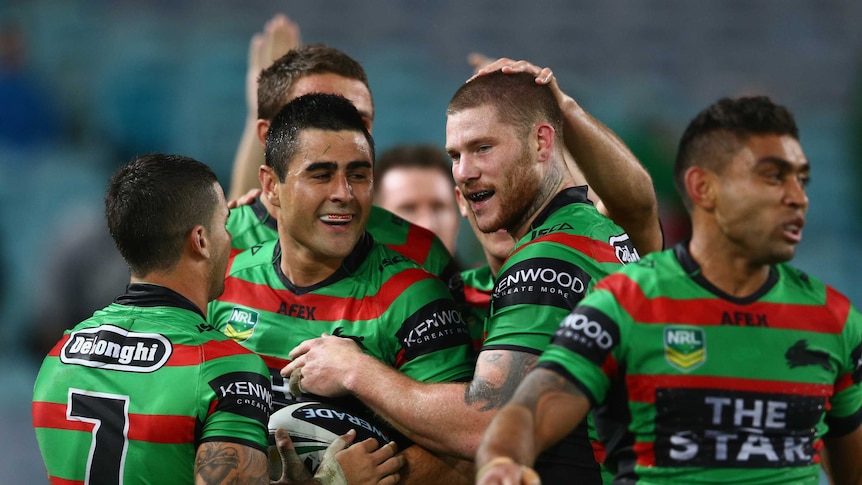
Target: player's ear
262, 130
269, 184
199, 242
543, 134
700, 184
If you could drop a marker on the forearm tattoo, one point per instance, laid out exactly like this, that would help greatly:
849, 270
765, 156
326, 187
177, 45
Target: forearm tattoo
488, 395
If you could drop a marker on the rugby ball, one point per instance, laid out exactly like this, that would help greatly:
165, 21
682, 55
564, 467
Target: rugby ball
313, 426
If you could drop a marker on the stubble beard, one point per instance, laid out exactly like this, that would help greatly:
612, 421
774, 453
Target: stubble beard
519, 206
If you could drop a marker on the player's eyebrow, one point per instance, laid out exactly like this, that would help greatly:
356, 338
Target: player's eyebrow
784, 164
329, 165
359, 164
314, 166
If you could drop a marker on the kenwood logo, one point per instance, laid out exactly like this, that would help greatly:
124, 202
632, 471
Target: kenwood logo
543, 277
114, 348
588, 332
439, 324
540, 281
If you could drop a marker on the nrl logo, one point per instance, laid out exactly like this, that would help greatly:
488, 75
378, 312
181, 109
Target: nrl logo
240, 325
685, 347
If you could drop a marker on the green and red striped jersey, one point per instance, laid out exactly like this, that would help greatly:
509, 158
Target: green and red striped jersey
570, 246
250, 225
703, 387
129, 394
478, 284
395, 310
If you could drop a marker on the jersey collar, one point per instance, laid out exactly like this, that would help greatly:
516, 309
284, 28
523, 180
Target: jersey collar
690, 266
263, 214
571, 195
151, 295
349, 266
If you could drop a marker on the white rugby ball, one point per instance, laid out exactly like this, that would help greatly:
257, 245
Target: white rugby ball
312, 427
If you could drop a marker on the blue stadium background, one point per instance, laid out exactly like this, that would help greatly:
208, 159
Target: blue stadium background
104, 80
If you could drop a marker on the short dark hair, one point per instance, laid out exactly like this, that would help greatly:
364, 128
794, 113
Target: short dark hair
274, 82
518, 99
328, 112
151, 205
413, 156
717, 132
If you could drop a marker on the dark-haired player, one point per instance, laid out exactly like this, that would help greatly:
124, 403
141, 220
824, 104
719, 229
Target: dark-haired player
316, 68
325, 274
714, 361
145, 391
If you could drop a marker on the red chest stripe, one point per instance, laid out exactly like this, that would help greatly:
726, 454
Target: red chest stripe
601, 252
642, 388
328, 308
825, 318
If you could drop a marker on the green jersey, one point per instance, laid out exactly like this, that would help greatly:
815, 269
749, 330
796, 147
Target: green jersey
570, 246
395, 310
477, 284
129, 394
250, 225
703, 387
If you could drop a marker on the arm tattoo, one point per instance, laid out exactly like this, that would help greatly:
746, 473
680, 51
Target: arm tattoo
219, 463
513, 365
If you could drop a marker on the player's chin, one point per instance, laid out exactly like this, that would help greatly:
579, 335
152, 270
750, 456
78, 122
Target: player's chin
338, 248
488, 223
780, 253
216, 290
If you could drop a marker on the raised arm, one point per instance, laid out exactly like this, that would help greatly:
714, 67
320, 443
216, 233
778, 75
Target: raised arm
601, 159
279, 36
545, 407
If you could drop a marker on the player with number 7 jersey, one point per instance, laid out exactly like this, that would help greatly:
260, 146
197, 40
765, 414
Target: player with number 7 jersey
128, 395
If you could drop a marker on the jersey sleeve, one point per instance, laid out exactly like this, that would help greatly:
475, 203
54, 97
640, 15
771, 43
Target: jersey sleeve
432, 337
215, 317
586, 347
845, 412
250, 225
417, 243
236, 395
439, 261
536, 288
